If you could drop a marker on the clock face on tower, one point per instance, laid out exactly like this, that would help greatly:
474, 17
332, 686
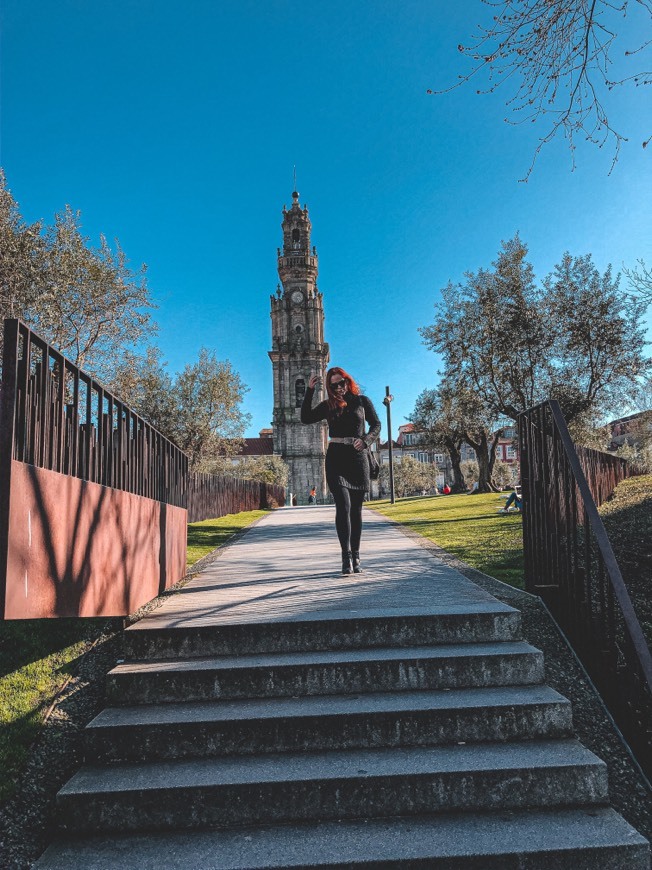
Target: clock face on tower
297, 297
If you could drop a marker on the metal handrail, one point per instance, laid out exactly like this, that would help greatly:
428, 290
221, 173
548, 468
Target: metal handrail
56, 416
570, 562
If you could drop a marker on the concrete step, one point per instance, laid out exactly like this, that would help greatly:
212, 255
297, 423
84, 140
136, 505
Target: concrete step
293, 787
204, 729
569, 839
326, 673
479, 622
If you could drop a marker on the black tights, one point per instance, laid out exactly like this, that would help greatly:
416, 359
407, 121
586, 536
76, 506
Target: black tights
348, 517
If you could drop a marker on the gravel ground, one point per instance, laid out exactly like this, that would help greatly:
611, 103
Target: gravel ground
26, 820
630, 792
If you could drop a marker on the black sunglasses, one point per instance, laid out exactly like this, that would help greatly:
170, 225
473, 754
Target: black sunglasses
335, 385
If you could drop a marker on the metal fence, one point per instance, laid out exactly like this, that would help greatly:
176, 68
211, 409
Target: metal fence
92, 498
213, 495
570, 563
55, 416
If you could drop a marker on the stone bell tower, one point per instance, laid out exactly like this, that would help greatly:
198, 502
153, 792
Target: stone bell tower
298, 348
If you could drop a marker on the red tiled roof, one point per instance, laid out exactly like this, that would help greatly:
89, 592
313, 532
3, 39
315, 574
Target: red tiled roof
257, 447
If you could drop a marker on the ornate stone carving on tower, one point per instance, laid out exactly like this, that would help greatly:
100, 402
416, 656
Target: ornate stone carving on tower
298, 348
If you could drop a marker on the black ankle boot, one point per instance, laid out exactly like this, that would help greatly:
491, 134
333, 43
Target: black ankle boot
355, 558
347, 564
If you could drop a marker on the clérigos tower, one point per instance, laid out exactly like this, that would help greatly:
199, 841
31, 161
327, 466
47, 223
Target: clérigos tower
298, 348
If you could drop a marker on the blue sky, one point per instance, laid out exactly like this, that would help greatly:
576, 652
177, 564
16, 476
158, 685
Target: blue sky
174, 126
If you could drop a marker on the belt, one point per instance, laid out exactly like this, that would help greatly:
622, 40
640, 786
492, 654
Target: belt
341, 440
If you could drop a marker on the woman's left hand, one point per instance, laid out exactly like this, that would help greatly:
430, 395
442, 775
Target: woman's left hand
359, 444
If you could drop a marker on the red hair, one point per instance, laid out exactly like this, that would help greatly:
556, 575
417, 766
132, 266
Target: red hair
334, 402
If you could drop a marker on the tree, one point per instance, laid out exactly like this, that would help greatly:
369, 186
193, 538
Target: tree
22, 257
207, 396
559, 55
94, 306
410, 476
640, 281
88, 303
436, 419
452, 415
490, 331
267, 469
599, 342
142, 382
199, 409
575, 339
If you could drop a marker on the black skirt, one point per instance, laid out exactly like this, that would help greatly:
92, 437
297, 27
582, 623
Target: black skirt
346, 466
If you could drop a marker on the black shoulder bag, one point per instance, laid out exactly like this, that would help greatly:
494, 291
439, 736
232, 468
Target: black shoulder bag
374, 466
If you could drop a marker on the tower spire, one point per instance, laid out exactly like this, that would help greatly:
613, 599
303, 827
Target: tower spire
295, 193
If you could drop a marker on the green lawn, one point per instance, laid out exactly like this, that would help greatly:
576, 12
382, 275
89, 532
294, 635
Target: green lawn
38, 656
469, 527
204, 537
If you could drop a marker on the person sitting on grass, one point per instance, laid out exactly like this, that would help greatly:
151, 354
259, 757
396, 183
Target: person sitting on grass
514, 499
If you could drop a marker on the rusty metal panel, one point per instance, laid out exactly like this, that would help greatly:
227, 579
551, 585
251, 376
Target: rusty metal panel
76, 548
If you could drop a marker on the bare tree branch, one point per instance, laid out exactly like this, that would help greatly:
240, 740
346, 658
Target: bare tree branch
561, 53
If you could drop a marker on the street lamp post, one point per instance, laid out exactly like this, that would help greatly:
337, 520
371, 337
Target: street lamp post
387, 401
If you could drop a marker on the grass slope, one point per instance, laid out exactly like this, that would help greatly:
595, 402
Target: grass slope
37, 658
628, 519
469, 527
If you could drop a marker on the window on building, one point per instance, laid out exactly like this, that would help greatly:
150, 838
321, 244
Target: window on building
299, 392
510, 452
439, 457
423, 457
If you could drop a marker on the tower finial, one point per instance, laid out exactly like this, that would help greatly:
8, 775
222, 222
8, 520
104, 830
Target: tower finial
295, 194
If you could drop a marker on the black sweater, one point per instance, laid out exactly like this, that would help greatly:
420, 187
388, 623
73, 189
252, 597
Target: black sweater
350, 423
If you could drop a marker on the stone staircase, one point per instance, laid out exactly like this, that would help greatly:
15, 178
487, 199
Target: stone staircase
395, 740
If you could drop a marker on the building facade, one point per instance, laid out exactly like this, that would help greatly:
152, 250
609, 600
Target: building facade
298, 349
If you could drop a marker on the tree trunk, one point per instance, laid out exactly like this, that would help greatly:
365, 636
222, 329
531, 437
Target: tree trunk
453, 448
485, 462
492, 458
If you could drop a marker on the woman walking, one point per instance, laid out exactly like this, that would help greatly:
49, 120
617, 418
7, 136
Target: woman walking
347, 460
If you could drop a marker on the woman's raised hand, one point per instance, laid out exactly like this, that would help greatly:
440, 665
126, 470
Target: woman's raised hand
314, 381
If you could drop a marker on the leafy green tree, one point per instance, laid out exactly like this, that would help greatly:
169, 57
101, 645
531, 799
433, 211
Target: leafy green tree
199, 409
207, 396
576, 338
599, 341
452, 415
94, 306
266, 469
436, 418
490, 332
410, 477
142, 382
22, 257
88, 303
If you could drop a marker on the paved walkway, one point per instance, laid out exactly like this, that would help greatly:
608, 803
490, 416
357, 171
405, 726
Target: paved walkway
288, 566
